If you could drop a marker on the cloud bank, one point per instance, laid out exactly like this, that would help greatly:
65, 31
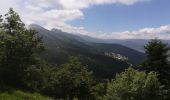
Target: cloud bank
162, 32
56, 14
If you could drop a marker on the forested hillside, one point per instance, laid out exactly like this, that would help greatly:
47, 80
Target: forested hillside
38, 64
60, 46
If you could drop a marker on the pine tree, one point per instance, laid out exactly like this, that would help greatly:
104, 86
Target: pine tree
157, 59
18, 48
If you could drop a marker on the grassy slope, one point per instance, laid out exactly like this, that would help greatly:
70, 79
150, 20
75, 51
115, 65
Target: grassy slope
20, 95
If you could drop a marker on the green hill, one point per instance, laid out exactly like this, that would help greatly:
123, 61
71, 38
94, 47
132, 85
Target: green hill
60, 46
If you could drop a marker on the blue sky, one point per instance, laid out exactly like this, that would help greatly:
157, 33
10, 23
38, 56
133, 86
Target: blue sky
118, 17
108, 19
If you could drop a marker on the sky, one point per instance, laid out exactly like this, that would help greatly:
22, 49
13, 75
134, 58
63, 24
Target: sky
106, 19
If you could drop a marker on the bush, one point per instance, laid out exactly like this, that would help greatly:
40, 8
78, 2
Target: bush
135, 85
71, 80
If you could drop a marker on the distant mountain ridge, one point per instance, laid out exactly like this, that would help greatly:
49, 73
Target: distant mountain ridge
60, 45
136, 44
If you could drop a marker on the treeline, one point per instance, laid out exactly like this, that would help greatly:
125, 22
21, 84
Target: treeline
21, 68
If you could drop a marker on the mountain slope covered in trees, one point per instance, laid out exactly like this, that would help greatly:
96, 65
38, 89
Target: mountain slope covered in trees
24, 74
59, 47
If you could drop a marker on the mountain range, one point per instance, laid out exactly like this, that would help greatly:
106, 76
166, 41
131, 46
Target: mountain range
91, 51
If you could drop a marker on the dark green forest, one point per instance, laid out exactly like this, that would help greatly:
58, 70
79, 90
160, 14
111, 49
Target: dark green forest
36, 64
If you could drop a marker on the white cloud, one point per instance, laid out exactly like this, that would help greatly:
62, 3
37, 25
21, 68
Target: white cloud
56, 14
162, 32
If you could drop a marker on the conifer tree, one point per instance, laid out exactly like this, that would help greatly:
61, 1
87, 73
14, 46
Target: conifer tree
18, 48
157, 59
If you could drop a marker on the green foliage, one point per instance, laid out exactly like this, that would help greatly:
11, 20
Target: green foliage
135, 85
39, 76
20, 66
68, 81
157, 59
20, 95
157, 55
18, 48
99, 90
71, 80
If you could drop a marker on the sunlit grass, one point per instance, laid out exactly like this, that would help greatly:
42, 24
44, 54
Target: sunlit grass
20, 95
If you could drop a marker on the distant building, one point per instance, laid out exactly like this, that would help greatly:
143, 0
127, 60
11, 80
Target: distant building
116, 56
